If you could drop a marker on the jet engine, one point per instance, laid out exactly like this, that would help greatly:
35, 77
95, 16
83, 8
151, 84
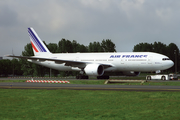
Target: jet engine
94, 70
131, 73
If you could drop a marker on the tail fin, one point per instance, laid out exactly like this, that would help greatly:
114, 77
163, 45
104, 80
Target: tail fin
39, 48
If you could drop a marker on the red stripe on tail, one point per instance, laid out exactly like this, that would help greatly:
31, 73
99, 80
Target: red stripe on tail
34, 47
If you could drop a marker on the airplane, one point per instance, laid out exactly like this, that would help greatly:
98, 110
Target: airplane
96, 64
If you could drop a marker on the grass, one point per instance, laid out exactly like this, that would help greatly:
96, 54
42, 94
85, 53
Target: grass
13, 81
17, 104
80, 104
101, 82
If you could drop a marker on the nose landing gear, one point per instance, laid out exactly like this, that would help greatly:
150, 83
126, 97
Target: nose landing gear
82, 76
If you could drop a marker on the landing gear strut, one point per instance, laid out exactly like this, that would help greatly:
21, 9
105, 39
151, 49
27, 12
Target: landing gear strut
82, 76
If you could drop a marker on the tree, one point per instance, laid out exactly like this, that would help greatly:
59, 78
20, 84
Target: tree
52, 47
78, 47
159, 47
95, 47
108, 46
65, 46
105, 46
6, 67
16, 67
143, 47
28, 51
173, 53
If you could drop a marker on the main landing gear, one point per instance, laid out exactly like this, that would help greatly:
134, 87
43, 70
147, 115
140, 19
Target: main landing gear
82, 75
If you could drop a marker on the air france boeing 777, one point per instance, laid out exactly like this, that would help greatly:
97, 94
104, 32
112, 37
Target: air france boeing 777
96, 64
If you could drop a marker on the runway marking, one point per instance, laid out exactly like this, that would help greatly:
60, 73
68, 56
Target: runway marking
47, 81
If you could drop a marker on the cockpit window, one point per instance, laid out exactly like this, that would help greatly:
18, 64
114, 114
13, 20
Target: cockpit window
165, 59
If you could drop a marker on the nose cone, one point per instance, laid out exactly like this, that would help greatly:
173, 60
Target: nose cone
169, 64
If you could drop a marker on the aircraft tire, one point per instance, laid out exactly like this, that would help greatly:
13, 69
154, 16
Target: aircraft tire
163, 78
148, 77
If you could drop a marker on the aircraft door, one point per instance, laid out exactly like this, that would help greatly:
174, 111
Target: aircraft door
150, 60
123, 64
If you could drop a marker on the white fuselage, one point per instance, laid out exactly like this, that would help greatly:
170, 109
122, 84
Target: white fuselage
120, 61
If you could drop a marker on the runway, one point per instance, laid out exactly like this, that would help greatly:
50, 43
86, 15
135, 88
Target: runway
24, 85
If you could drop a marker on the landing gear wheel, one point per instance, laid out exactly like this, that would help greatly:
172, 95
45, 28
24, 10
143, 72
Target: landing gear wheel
163, 78
148, 77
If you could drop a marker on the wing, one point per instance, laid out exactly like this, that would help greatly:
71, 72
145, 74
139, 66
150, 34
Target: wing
71, 63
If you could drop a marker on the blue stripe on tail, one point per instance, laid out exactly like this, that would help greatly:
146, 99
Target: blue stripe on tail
36, 41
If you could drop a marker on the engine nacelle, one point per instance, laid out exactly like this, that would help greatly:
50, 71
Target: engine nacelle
94, 70
131, 73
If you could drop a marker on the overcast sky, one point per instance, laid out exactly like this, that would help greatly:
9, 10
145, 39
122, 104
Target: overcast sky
125, 22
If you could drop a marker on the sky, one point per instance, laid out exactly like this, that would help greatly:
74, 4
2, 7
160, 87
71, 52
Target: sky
126, 22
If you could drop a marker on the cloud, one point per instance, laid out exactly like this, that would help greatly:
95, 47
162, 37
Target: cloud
125, 22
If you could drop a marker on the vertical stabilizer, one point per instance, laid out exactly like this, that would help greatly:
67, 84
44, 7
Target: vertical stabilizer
39, 48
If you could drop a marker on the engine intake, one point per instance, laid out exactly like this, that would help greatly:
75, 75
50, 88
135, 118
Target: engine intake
94, 70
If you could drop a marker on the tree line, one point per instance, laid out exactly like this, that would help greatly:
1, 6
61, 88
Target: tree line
23, 67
